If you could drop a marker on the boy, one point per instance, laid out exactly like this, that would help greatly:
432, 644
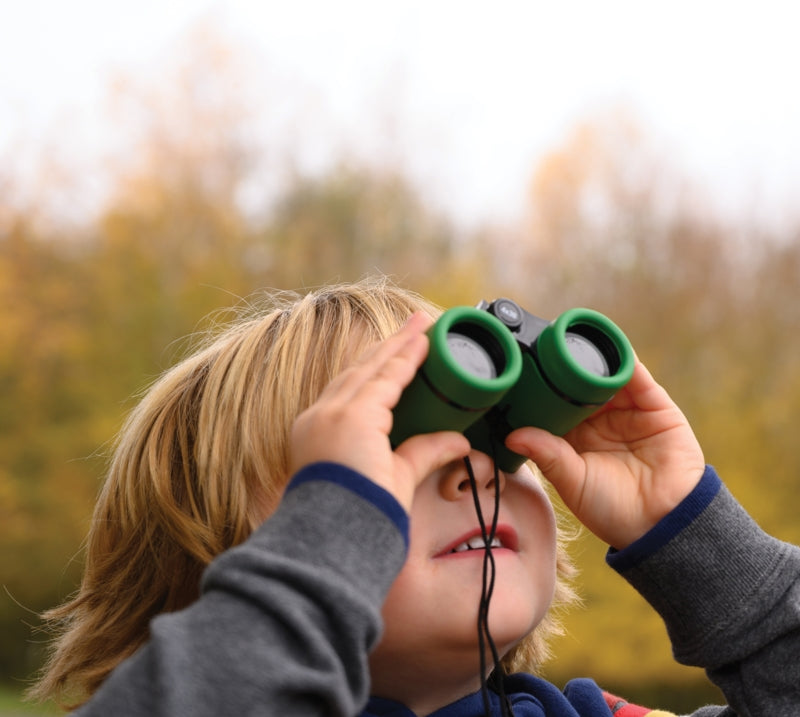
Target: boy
359, 594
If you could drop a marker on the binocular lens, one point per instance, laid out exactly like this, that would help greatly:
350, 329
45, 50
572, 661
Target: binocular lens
592, 350
469, 354
585, 357
473, 361
476, 350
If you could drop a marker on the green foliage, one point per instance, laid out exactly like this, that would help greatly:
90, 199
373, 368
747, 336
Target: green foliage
352, 223
12, 704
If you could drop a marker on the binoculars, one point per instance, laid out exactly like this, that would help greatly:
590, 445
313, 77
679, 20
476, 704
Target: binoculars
493, 368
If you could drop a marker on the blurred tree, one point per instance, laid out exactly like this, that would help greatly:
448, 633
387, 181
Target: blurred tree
46, 429
355, 221
190, 157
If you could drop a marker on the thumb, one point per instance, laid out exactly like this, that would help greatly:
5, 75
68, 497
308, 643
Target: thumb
554, 457
425, 453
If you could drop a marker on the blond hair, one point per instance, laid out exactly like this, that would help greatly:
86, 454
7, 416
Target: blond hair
199, 463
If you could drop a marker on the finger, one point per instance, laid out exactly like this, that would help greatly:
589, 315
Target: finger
426, 453
554, 456
385, 387
416, 325
643, 391
393, 365
409, 345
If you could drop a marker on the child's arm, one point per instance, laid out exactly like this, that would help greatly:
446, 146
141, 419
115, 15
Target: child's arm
729, 595
286, 619
728, 592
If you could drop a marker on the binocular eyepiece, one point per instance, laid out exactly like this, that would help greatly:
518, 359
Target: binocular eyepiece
495, 367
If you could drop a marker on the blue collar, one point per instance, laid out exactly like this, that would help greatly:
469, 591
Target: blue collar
529, 697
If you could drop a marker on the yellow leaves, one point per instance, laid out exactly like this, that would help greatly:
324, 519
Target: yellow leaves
13, 517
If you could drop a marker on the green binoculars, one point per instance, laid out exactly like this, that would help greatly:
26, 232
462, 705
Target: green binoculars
493, 368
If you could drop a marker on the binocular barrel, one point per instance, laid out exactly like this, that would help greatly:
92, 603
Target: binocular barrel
495, 368
472, 362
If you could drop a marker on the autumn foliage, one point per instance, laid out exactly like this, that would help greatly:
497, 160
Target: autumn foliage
91, 313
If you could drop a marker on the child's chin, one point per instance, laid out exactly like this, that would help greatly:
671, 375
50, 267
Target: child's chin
508, 626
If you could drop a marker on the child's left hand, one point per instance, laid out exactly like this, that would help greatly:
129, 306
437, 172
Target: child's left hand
625, 467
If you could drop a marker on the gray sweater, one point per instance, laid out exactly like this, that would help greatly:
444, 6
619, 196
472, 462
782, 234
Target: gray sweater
287, 619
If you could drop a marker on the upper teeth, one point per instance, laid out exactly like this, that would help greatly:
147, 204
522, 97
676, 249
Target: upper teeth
476, 543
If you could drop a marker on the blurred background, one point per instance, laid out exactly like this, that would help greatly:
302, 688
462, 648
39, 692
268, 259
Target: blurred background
161, 161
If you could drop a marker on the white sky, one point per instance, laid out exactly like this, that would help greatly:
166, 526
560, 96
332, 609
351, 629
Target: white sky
480, 89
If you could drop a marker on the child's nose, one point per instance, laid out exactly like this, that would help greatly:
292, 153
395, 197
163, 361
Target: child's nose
455, 483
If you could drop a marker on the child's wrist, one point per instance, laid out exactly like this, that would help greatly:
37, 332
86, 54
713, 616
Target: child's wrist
669, 526
359, 484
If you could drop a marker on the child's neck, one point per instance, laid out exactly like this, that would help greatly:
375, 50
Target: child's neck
422, 688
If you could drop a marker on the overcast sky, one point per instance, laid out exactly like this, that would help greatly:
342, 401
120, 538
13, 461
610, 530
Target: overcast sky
480, 89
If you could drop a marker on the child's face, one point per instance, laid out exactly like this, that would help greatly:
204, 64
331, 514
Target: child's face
431, 611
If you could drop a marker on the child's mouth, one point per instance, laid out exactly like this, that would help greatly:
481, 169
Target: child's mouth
476, 543
505, 538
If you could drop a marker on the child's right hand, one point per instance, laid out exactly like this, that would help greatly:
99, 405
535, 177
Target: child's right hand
351, 420
625, 467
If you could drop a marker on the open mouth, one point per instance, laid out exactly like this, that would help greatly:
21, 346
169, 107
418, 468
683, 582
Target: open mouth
476, 543
504, 538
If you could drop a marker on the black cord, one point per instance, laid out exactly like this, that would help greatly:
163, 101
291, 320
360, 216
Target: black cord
487, 588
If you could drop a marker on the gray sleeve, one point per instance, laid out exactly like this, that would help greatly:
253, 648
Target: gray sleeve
284, 625
729, 595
